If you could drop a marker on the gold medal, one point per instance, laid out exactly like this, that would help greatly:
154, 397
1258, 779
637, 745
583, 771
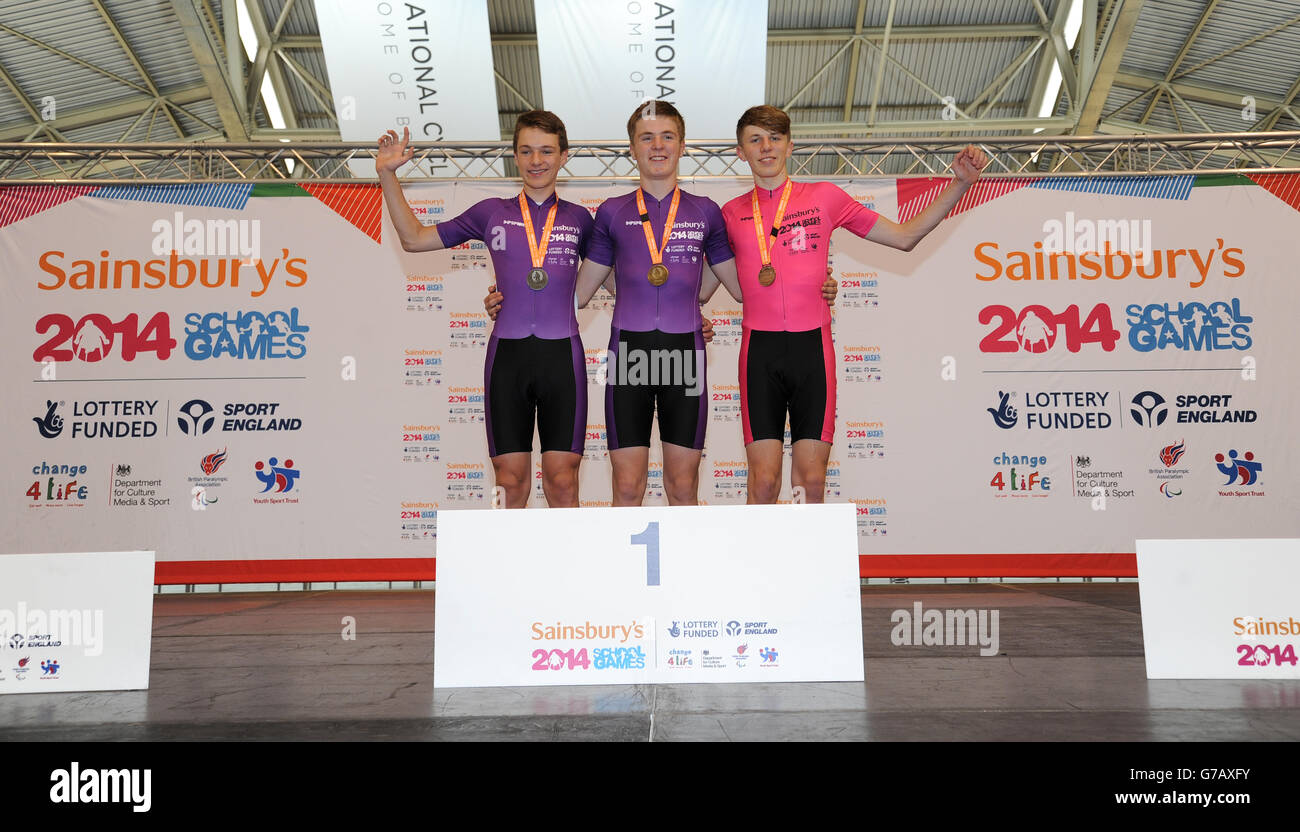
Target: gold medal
537, 278
658, 273
767, 274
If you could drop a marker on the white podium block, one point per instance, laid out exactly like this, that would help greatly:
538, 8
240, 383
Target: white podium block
597, 596
1220, 609
72, 622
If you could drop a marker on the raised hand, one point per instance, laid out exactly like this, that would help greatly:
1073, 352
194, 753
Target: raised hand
967, 164
830, 289
393, 151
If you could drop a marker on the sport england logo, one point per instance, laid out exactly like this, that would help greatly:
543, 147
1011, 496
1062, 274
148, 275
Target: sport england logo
1149, 409
193, 417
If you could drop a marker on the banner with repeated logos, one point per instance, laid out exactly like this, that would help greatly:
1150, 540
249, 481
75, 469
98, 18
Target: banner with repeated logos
290, 386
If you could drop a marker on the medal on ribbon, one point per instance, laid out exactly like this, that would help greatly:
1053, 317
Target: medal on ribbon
767, 274
658, 273
537, 278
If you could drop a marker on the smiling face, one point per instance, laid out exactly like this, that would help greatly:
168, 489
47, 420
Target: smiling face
765, 150
538, 155
657, 146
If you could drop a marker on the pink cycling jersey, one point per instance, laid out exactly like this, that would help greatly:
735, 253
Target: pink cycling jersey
798, 252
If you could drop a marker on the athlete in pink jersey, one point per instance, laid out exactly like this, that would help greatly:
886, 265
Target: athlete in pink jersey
780, 232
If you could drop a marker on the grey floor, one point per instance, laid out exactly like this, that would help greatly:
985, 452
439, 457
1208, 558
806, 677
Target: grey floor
274, 666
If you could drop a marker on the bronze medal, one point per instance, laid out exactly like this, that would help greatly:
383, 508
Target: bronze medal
767, 275
537, 279
658, 274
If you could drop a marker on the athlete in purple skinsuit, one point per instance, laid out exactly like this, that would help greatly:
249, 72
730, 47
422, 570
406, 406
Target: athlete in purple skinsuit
535, 358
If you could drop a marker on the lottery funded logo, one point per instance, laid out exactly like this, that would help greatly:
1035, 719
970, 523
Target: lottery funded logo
1242, 471
99, 419
861, 364
730, 477
864, 439
726, 402
421, 367
859, 290
466, 482
278, 479
421, 442
131, 490
871, 513
419, 520
467, 330
1095, 479
1053, 410
1020, 476
694, 628
465, 405
1189, 326
58, 485
251, 335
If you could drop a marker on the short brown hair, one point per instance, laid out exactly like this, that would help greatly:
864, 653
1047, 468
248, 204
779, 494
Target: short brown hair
766, 117
543, 120
656, 109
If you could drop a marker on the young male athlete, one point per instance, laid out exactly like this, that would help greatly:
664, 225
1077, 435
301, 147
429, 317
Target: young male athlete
780, 232
534, 358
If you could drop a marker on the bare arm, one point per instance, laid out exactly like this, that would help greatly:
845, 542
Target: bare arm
966, 169
590, 275
724, 273
393, 153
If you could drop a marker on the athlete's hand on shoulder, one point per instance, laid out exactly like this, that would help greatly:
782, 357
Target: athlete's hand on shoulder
707, 326
393, 151
492, 303
830, 288
967, 164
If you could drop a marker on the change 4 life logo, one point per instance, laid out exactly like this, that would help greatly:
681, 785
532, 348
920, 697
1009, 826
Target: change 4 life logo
1194, 326
277, 479
197, 417
1170, 473
1053, 410
58, 485
246, 335
1149, 409
1242, 470
99, 419
1020, 476
203, 488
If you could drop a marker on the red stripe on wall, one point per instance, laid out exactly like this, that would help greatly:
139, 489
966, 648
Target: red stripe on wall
1039, 565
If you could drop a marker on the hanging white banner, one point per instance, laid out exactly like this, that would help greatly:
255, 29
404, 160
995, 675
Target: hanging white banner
600, 59
420, 65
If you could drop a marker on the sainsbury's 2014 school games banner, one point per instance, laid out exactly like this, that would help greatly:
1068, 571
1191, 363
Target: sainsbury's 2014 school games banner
257, 383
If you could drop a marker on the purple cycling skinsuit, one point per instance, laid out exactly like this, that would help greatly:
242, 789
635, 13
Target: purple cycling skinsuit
534, 358
661, 322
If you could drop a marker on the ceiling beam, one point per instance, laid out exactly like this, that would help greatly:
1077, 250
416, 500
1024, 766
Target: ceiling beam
1192, 92
1111, 51
72, 119
851, 85
211, 62
135, 62
1178, 59
972, 125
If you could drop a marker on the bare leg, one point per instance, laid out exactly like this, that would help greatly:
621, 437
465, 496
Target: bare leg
681, 474
630, 467
765, 457
808, 468
560, 478
512, 474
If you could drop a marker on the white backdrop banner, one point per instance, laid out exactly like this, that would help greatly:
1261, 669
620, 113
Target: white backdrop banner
292, 385
600, 59
424, 65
